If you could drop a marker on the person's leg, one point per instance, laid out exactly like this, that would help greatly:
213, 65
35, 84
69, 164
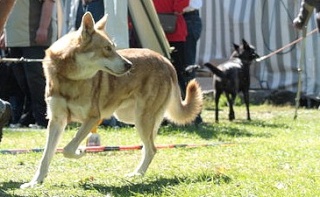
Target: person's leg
178, 60
20, 96
5, 81
36, 82
194, 26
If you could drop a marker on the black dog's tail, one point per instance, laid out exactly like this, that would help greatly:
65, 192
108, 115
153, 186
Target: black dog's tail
215, 70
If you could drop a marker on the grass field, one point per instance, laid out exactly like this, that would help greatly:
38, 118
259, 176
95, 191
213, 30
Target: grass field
272, 155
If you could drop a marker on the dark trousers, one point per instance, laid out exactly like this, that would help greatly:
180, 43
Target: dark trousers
194, 26
31, 80
178, 60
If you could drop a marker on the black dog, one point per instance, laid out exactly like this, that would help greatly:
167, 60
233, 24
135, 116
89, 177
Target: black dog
233, 76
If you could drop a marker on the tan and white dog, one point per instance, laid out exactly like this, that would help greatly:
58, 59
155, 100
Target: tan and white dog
88, 80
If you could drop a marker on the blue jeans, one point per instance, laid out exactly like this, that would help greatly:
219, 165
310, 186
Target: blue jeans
194, 25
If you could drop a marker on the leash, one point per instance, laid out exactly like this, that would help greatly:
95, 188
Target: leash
96, 149
286, 46
22, 59
302, 58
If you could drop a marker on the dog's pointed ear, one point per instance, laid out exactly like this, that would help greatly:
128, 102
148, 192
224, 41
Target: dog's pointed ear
236, 47
245, 44
87, 25
101, 24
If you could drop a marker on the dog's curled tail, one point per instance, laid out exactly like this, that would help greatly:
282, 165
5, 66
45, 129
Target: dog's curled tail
184, 112
215, 70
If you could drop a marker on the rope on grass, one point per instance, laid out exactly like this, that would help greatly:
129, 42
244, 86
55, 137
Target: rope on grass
96, 149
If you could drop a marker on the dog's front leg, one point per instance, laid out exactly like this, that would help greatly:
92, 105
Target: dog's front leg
231, 98
217, 97
71, 150
246, 101
55, 129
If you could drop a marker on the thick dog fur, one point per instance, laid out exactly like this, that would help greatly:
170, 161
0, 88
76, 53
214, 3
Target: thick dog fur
233, 76
87, 80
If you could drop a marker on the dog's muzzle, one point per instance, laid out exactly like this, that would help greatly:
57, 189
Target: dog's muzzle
128, 65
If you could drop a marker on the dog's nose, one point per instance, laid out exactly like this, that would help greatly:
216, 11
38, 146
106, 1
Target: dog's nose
128, 65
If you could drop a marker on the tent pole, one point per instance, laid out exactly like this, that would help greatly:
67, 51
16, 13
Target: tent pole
300, 68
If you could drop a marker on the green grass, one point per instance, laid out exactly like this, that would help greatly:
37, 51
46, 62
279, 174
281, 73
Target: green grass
272, 155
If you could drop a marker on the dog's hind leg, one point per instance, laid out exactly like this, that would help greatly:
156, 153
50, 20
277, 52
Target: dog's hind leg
147, 126
71, 150
55, 129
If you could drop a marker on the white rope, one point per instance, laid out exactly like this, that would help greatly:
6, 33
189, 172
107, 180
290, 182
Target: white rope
286, 46
22, 59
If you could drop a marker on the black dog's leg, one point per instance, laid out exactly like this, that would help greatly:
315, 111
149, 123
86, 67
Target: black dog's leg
217, 97
246, 100
231, 98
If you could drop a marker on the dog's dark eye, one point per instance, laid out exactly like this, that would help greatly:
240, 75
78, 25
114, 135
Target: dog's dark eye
108, 48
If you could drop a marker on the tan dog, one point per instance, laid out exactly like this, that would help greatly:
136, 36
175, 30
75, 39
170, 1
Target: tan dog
87, 80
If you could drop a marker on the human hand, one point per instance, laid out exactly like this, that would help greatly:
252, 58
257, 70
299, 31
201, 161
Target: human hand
41, 36
298, 23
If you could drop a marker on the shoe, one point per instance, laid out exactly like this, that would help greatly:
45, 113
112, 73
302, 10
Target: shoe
5, 115
16, 126
94, 140
198, 120
36, 126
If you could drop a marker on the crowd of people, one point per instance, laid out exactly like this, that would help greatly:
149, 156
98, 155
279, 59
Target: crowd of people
33, 25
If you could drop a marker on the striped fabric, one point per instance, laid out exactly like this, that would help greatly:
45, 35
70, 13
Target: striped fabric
266, 24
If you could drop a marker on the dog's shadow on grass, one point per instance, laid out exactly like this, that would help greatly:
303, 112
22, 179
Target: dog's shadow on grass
156, 187
4, 186
238, 128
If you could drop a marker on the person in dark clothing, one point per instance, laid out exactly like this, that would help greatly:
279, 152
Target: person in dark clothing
176, 39
29, 31
191, 15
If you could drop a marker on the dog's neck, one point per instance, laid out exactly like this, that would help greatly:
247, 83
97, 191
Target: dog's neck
84, 70
246, 63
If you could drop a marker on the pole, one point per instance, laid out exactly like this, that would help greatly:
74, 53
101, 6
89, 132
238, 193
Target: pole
300, 68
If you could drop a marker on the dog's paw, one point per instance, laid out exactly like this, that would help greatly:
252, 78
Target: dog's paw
80, 152
31, 184
135, 174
